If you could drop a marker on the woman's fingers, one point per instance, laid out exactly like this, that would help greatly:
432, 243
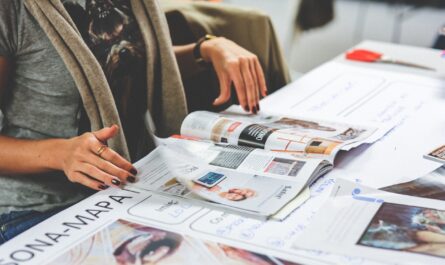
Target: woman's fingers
249, 84
106, 133
93, 164
243, 72
111, 169
261, 79
97, 174
84, 180
236, 77
110, 155
256, 81
243, 69
106, 153
224, 86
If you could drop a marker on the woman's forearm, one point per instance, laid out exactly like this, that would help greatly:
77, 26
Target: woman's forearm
18, 156
186, 60
85, 159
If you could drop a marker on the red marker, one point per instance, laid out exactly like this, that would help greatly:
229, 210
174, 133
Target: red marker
375, 57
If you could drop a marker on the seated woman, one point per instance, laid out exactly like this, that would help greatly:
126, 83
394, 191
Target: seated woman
76, 81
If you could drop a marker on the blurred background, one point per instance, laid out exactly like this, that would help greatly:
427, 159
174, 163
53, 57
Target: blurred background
314, 31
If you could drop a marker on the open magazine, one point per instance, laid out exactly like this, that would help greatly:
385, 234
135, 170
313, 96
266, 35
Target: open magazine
300, 137
255, 165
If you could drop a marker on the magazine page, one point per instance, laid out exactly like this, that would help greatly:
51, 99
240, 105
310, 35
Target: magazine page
253, 161
297, 136
259, 184
437, 155
378, 225
254, 193
250, 160
430, 186
124, 242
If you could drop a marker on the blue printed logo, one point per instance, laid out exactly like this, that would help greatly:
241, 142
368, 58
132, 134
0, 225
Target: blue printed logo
357, 191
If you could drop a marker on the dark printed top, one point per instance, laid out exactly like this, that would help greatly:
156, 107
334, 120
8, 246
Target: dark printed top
110, 30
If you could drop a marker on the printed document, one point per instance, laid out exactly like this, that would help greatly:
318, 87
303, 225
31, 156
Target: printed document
378, 225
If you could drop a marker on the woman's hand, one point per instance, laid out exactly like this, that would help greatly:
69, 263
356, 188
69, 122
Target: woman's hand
234, 64
89, 162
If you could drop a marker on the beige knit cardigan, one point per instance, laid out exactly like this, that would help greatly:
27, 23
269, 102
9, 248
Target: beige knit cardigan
166, 99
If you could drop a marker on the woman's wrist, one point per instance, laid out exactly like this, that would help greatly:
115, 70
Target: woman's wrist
23, 156
207, 48
55, 153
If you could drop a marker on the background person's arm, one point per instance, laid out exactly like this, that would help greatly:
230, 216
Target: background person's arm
233, 65
75, 156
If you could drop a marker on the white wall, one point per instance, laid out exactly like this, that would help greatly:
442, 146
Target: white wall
354, 21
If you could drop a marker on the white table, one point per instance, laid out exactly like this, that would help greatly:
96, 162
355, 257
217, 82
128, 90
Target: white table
272, 239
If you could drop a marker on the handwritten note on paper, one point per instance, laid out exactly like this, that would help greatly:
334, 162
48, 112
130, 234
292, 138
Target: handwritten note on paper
164, 210
390, 104
279, 235
350, 88
342, 91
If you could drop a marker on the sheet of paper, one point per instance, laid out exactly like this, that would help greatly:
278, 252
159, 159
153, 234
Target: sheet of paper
413, 103
378, 225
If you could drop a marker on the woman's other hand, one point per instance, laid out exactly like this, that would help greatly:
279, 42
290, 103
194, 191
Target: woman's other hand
234, 64
90, 162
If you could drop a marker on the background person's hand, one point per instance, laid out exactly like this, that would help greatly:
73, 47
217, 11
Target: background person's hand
234, 64
82, 164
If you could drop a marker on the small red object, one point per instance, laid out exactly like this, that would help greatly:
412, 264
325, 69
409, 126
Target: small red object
375, 57
364, 56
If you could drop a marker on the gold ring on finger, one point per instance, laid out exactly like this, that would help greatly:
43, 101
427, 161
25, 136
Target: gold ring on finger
101, 149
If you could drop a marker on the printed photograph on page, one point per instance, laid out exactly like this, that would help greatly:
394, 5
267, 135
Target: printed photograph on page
406, 228
246, 159
437, 155
298, 136
430, 186
127, 243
